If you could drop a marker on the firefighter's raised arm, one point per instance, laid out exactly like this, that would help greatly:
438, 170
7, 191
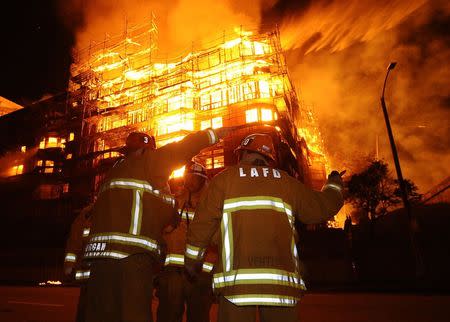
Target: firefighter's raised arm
314, 207
174, 155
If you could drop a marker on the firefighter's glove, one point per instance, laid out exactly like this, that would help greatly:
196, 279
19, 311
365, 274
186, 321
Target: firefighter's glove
335, 178
192, 268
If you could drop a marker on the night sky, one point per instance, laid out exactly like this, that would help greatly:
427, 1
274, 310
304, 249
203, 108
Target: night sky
35, 54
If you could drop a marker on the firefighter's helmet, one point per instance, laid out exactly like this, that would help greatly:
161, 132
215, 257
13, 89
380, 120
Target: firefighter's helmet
260, 143
196, 169
139, 140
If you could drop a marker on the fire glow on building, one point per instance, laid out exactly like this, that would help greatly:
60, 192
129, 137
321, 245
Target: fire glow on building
120, 85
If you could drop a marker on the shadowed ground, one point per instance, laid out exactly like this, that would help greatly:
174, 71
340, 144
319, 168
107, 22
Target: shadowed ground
57, 304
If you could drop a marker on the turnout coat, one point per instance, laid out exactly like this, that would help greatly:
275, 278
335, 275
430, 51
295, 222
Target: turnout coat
132, 209
255, 208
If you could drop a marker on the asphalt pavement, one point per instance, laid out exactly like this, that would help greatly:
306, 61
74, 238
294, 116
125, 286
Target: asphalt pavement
58, 304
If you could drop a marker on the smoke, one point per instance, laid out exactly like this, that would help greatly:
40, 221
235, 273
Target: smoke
180, 22
335, 25
343, 79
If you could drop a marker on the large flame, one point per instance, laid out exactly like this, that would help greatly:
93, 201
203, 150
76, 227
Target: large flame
244, 67
337, 52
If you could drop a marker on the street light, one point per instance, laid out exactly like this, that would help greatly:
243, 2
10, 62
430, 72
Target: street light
401, 181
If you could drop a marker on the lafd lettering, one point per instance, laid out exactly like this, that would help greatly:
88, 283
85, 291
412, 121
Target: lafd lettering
259, 172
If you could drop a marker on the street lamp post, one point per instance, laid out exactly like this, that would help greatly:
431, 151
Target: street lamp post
401, 181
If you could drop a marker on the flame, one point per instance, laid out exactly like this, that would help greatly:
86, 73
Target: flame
241, 79
372, 32
50, 282
178, 173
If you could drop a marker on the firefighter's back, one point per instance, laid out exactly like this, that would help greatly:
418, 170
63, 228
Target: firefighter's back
258, 236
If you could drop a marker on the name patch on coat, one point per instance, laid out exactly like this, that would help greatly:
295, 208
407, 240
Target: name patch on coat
95, 247
259, 172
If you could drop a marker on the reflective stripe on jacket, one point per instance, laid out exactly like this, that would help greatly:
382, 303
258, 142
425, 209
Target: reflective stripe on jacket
176, 239
78, 236
132, 210
255, 209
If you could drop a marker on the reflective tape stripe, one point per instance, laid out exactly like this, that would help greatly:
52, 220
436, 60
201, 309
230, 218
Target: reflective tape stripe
194, 252
130, 184
260, 299
81, 275
178, 260
212, 136
119, 238
174, 259
259, 202
294, 253
136, 213
227, 247
70, 257
140, 185
207, 267
332, 186
246, 203
86, 232
110, 254
258, 276
187, 214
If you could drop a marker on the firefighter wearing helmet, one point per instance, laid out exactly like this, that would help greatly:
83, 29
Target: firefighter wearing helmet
130, 213
137, 141
175, 289
254, 206
74, 267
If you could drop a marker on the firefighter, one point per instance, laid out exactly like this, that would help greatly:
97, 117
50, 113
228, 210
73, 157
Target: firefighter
128, 218
74, 266
174, 288
255, 205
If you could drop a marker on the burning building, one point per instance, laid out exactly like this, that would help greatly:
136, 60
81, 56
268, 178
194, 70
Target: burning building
120, 85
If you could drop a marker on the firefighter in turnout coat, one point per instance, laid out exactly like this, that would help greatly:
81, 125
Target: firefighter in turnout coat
74, 266
128, 218
255, 206
78, 236
174, 287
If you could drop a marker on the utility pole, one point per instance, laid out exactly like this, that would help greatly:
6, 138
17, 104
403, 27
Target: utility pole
377, 152
413, 225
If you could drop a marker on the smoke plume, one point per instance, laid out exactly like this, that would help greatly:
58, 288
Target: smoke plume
335, 25
339, 67
180, 22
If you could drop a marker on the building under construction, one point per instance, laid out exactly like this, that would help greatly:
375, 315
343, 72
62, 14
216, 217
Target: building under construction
241, 79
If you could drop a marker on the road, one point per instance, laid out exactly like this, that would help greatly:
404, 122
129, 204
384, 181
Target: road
58, 304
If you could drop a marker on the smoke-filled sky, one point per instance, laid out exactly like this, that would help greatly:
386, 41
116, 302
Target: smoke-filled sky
337, 55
